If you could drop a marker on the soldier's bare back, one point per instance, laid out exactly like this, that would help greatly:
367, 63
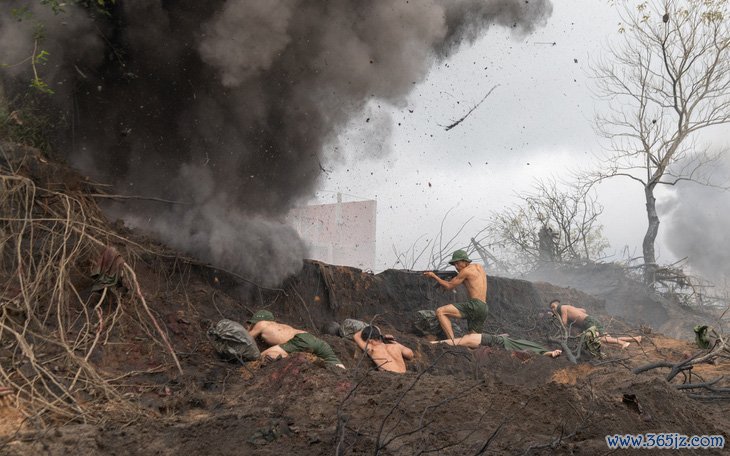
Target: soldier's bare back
275, 333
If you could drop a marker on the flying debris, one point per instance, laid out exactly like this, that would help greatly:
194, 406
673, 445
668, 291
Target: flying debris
449, 127
240, 88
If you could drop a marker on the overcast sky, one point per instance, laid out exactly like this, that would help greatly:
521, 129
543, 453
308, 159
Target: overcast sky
538, 122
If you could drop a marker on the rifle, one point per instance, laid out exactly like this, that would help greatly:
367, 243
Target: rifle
443, 275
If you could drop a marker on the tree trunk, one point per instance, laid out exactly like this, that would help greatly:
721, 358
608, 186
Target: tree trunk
652, 230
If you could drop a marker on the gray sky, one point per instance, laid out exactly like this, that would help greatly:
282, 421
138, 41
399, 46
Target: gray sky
242, 132
538, 122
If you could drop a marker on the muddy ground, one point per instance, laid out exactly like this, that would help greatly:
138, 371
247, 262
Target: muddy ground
452, 401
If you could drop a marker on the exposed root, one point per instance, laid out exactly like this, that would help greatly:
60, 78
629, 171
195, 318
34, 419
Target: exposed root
48, 330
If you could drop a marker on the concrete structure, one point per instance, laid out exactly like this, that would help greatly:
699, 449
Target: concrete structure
342, 233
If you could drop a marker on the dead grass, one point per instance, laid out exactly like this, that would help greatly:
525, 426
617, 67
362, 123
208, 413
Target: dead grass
49, 326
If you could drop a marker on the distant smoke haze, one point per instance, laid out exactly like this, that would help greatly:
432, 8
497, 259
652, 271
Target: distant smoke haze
697, 225
227, 105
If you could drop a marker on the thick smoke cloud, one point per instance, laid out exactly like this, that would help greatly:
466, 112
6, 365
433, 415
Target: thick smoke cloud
690, 212
227, 105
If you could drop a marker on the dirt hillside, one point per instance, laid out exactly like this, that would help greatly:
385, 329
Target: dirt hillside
624, 296
92, 372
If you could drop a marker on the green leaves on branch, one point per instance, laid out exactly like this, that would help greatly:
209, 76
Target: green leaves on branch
40, 56
41, 86
21, 14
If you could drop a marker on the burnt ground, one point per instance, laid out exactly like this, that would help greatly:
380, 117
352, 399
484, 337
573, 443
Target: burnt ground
452, 401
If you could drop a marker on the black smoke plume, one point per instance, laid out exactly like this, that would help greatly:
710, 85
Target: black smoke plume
228, 105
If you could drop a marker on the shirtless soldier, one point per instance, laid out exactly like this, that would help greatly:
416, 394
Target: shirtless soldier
475, 309
386, 353
580, 317
285, 340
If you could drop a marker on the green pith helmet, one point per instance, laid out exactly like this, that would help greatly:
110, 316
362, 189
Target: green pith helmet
260, 316
459, 255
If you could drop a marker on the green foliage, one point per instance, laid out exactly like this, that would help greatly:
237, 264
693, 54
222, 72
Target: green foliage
40, 56
41, 86
27, 120
55, 5
21, 14
58, 6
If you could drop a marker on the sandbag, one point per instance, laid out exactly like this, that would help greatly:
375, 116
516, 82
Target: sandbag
702, 338
232, 341
350, 326
592, 342
426, 323
332, 328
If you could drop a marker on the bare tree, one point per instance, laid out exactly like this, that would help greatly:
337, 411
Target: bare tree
668, 79
551, 223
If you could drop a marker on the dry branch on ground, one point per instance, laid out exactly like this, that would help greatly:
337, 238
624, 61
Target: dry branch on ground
50, 323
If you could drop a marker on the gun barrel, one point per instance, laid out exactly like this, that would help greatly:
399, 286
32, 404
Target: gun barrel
441, 274
446, 274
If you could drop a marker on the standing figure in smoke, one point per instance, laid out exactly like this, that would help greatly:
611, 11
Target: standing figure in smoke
475, 309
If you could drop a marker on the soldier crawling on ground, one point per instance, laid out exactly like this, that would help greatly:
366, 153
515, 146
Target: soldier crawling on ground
285, 340
383, 350
580, 317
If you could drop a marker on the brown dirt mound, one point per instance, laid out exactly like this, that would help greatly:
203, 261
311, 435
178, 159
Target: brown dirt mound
296, 406
452, 401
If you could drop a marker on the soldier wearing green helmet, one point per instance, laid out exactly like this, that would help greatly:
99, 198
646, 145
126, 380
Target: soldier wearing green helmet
473, 277
284, 340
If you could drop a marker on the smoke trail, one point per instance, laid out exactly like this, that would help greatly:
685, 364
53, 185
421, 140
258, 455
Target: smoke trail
696, 226
227, 105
